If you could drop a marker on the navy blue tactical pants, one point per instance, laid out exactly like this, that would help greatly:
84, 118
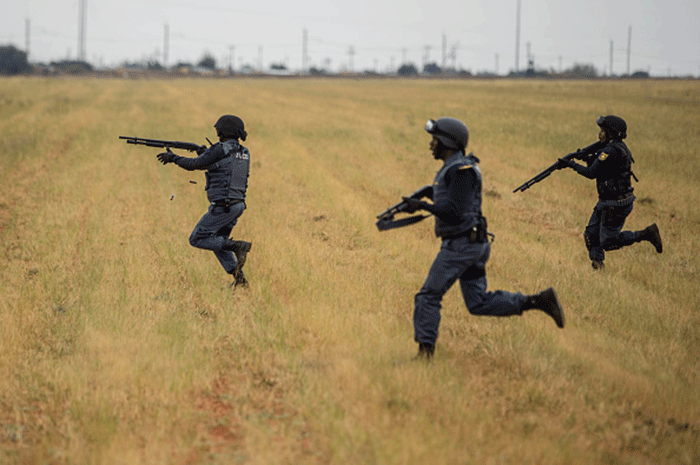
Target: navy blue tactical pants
461, 260
604, 230
214, 228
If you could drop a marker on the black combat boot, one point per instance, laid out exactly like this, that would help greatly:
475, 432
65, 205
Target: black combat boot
548, 302
240, 280
240, 250
652, 235
425, 351
598, 264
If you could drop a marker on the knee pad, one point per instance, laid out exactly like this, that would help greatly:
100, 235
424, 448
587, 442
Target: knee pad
474, 272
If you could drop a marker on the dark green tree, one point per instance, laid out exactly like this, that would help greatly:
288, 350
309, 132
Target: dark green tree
431, 68
583, 70
13, 60
72, 66
407, 70
208, 62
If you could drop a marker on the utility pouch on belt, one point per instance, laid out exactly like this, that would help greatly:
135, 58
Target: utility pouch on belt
226, 204
478, 231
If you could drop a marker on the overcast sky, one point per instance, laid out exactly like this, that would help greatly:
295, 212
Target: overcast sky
366, 34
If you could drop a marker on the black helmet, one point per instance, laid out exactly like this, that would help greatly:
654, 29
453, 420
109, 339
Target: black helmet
231, 126
613, 125
450, 131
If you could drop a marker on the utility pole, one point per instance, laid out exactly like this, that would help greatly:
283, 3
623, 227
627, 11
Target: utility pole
517, 37
231, 61
27, 25
453, 55
611, 58
304, 52
629, 48
444, 50
351, 55
81, 30
166, 44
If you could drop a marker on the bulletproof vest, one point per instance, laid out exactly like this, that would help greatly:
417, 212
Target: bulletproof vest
227, 179
613, 182
472, 212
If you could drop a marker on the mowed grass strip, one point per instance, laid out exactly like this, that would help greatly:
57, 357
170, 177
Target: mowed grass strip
121, 343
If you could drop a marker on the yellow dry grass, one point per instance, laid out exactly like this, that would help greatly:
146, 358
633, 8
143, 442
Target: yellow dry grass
122, 344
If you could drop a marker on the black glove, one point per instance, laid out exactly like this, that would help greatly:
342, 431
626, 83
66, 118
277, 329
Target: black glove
166, 157
413, 204
580, 155
563, 163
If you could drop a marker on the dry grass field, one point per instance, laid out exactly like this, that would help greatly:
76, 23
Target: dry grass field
120, 343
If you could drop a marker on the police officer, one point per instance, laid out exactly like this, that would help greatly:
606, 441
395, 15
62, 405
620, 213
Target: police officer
456, 204
226, 165
611, 167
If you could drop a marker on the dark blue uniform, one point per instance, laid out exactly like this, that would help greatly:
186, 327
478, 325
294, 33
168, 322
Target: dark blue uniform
464, 251
227, 166
611, 168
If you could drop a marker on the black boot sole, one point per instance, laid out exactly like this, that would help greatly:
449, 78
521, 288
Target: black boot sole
655, 238
553, 308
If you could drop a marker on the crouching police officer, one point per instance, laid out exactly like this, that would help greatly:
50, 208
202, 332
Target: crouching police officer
226, 165
465, 248
611, 167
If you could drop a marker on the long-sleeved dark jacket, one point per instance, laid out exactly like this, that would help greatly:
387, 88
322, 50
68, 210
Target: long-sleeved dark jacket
227, 166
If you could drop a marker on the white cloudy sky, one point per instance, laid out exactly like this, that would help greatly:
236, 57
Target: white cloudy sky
665, 38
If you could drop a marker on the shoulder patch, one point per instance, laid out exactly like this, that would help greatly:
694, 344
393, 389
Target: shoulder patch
603, 156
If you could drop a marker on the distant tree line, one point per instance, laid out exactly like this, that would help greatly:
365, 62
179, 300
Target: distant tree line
14, 61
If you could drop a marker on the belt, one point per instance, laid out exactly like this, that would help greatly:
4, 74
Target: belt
475, 234
619, 202
226, 202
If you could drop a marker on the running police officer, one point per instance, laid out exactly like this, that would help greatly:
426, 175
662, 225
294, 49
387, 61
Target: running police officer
611, 167
226, 165
465, 247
